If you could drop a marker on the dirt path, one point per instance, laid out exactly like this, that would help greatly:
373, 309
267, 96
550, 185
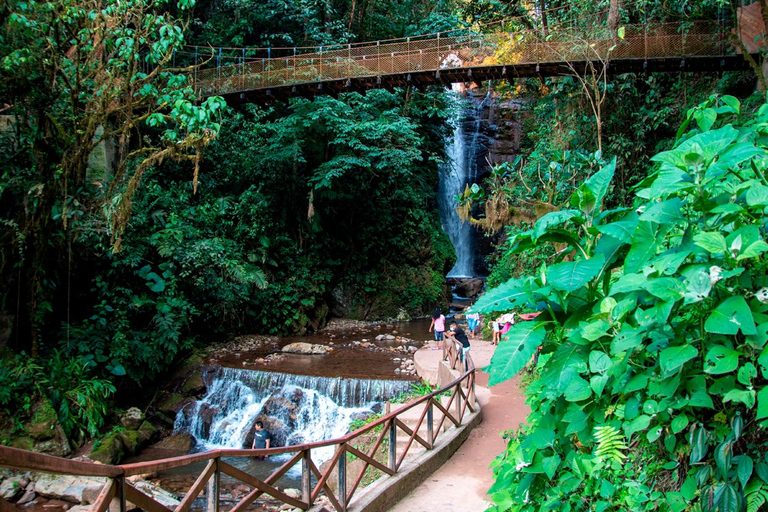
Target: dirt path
460, 485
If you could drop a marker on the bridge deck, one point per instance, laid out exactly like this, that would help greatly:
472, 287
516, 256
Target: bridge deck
470, 57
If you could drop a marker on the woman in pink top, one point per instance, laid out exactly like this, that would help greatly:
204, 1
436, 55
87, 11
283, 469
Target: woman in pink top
438, 322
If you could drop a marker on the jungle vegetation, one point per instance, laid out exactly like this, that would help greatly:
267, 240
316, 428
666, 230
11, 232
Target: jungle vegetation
209, 221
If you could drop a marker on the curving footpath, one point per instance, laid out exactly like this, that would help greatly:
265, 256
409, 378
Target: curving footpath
460, 485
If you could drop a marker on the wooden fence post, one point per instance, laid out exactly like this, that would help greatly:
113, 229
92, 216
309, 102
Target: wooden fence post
306, 478
343, 478
212, 493
430, 426
392, 445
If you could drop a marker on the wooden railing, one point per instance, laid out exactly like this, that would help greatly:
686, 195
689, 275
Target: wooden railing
572, 41
436, 410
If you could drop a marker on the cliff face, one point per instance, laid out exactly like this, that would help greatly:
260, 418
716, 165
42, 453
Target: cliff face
487, 132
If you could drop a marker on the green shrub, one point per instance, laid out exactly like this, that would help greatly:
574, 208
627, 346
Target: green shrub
653, 396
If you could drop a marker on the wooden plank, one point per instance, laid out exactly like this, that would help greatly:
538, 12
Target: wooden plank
140, 468
143, 501
23, 460
197, 487
264, 487
274, 477
328, 491
105, 497
370, 460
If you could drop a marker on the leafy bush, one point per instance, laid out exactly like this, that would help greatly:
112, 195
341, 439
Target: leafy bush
656, 327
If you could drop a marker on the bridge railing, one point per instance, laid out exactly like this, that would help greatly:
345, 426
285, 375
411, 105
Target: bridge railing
437, 412
560, 43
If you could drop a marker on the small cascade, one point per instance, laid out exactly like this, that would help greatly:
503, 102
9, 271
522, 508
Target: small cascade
464, 153
295, 409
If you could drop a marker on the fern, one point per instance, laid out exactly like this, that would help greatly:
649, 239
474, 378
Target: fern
610, 443
756, 495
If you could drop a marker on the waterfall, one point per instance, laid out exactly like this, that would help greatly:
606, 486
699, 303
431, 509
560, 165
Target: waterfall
295, 409
463, 152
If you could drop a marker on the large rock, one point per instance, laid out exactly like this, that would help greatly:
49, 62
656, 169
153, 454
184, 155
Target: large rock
40, 432
11, 488
75, 489
110, 450
305, 348
173, 403
132, 418
194, 383
469, 287
177, 442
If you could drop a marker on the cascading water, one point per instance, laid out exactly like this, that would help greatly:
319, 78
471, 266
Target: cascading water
295, 409
463, 152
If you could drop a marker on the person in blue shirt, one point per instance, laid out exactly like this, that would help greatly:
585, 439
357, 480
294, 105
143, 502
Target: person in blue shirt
261, 438
462, 341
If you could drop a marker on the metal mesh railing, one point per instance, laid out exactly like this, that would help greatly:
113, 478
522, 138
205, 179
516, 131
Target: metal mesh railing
578, 40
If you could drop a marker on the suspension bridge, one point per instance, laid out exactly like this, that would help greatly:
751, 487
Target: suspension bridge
502, 51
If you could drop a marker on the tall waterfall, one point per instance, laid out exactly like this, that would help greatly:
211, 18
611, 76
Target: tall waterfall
463, 152
295, 409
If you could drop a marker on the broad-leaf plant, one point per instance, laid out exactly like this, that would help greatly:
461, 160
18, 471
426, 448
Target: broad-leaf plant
653, 361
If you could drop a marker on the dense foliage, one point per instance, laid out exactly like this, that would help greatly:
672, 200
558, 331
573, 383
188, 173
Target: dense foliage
651, 394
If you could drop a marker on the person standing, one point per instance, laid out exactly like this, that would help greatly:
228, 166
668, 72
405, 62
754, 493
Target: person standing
261, 438
473, 322
462, 342
438, 323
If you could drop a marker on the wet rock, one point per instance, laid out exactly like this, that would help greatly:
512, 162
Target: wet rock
173, 404
176, 442
194, 383
12, 488
160, 495
132, 418
146, 431
70, 488
469, 287
293, 493
305, 348
29, 495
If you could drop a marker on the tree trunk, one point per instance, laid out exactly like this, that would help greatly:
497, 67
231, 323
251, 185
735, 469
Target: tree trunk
613, 17
543, 8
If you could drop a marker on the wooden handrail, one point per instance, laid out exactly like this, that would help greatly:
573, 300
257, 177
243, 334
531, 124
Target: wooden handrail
389, 423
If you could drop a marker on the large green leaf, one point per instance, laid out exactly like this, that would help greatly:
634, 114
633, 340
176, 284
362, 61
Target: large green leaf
506, 296
574, 275
622, 230
666, 212
730, 317
701, 148
713, 242
515, 350
673, 358
598, 183
698, 285
550, 220
721, 359
762, 403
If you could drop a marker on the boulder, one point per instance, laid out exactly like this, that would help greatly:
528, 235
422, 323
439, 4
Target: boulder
29, 495
177, 442
130, 440
469, 287
194, 383
11, 488
110, 450
159, 494
172, 404
132, 418
305, 348
40, 432
70, 488
146, 431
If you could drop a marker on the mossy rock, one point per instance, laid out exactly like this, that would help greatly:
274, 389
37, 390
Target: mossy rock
171, 404
23, 443
146, 432
44, 421
194, 383
130, 440
110, 450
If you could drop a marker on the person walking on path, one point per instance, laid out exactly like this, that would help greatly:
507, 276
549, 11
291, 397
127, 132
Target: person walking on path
438, 323
473, 322
261, 438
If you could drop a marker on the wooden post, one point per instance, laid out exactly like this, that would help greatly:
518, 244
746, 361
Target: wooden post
392, 445
320, 72
343, 478
430, 425
120, 481
212, 493
306, 478
378, 58
194, 78
458, 401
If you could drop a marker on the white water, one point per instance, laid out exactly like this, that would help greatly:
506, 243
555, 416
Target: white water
295, 409
459, 170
